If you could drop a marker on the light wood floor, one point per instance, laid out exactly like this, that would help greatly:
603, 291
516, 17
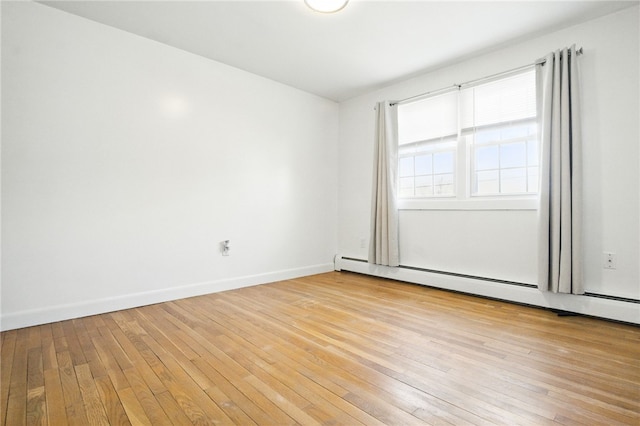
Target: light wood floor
336, 348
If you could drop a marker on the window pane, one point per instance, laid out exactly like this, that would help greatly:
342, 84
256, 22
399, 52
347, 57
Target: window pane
487, 158
484, 136
443, 184
513, 155
513, 132
487, 182
424, 186
423, 165
406, 187
417, 164
443, 162
405, 167
513, 181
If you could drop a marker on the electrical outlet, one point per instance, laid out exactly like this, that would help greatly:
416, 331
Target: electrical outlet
363, 242
609, 260
224, 247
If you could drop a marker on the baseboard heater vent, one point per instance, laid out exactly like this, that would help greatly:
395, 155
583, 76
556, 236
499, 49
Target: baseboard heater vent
617, 298
453, 274
513, 283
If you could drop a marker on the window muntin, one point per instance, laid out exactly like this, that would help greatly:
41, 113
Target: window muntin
427, 168
504, 159
487, 134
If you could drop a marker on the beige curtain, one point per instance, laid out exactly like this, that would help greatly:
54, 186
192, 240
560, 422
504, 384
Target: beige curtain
560, 233
383, 245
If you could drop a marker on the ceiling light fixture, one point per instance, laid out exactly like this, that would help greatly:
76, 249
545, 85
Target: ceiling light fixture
326, 6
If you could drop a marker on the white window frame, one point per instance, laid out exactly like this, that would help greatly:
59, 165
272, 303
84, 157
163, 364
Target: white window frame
463, 199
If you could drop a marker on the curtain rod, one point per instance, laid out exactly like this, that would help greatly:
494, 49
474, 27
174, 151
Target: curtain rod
489, 77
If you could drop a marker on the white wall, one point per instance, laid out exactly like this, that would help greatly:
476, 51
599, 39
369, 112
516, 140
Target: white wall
125, 162
501, 244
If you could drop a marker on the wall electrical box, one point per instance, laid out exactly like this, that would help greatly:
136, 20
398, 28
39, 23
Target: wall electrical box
609, 260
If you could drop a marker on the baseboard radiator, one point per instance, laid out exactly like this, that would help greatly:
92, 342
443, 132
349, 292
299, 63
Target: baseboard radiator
590, 304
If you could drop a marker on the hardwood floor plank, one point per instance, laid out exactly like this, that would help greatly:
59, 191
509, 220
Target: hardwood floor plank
74, 404
7, 354
35, 377
227, 388
146, 397
138, 362
94, 408
230, 408
56, 413
110, 364
56, 330
163, 331
34, 339
111, 402
114, 348
17, 395
172, 409
36, 407
60, 344
36, 403
73, 345
135, 412
332, 349
88, 348
283, 403
49, 358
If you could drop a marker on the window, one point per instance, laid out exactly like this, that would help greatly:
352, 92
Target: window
476, 141
428, 139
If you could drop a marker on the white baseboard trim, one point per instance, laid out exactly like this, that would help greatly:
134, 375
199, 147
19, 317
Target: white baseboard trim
93, 307
617, 310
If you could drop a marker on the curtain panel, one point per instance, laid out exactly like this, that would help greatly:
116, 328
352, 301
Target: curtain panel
560, 209
383, 243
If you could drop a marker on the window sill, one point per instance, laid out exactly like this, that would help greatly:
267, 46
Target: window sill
528, 203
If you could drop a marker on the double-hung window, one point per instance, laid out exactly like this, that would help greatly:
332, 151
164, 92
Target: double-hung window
476, 141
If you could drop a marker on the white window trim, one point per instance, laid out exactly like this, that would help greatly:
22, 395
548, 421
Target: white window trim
515, 202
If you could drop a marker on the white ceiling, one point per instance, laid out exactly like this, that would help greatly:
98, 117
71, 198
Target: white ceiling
367, 45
